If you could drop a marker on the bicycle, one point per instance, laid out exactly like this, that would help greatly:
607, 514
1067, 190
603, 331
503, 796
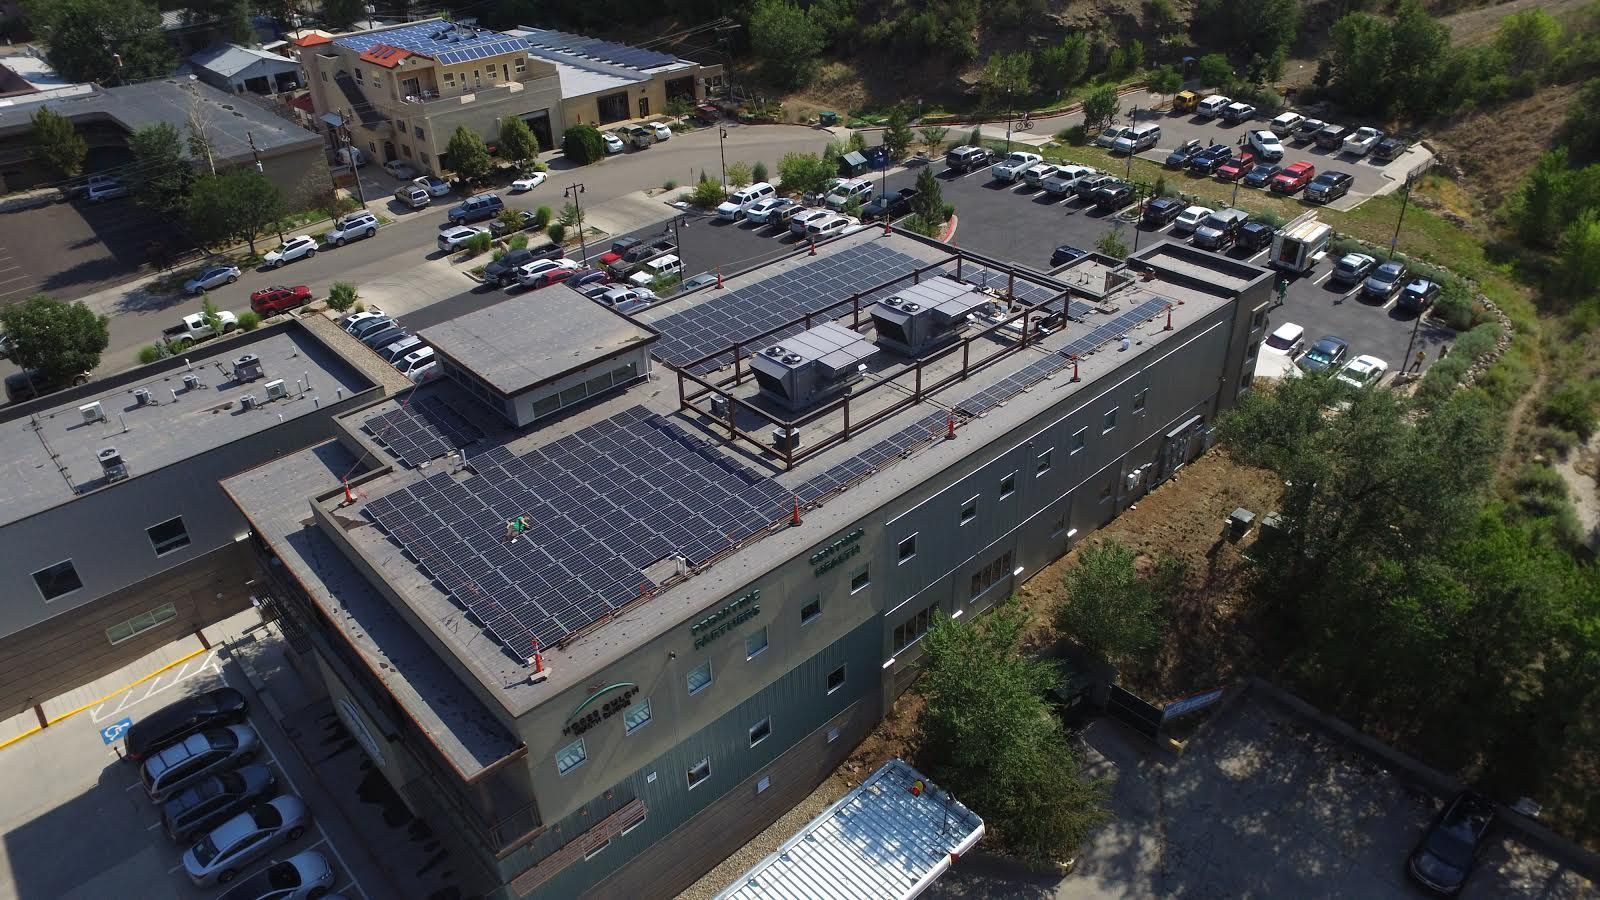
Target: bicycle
1025, 125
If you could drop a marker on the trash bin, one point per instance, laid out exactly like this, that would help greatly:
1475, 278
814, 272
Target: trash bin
829, 119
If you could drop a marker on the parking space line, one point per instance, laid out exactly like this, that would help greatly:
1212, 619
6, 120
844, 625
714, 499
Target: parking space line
153, 826
132, 786
320, 830
1323, 277
177, 867
95, 707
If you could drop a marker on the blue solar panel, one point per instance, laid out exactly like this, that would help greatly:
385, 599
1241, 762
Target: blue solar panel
433, 39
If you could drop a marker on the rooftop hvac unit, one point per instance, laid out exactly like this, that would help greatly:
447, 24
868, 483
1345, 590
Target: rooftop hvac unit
923, 317
111, 463
812, 366
248, 401
92, 412
719, 406
191, 382
247, 368
141, 396
276, 390
785, 439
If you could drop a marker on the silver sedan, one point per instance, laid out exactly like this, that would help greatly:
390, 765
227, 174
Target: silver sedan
219, 856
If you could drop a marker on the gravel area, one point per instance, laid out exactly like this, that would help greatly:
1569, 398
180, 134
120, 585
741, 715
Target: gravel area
769, 840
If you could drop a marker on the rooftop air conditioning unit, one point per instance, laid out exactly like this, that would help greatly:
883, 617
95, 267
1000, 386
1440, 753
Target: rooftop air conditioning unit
92, 412
785, 439
191, 382
248, 401
276, 390
141, 396
247, 368
814, 366
112, 465
925, 316
719, 406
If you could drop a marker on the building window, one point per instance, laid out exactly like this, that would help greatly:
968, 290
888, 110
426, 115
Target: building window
634, 824
168, 536
811, 611
833, 735
324, 76
990, 575
699, 772
1079, 439
1110, 420
58, 580
522, 65
1043, 465
400, 125
969, 510
595, 851
700, 678
121, 631
377, 80
373, 146
860, 580
405, 150
636, 717
836, 679
417, 130
760, 731
755, 642
449, 79
911, 630
1008, 485
1139, 400
571, 756
1259, 319
908, 548
358, 76
763, 783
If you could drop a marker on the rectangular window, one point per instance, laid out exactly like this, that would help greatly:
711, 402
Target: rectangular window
763, 783
121, 631
1259, 318
400, 125
908, 548
420, 136
58, 580
811, 611
990, 575
1043, 465
637, 716
700, 678
405, 150
449, 79
377, 80
595, 851
522, 65
634, 824
1110, 420
1008, 485
571, 757
1080, 438
760, 731
969, 510
168, 536
836, 679
422, 155
755, 642
358, 76
1139, 400
911, 630
860, 580
699, 772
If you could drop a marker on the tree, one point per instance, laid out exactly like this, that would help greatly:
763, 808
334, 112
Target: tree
1116, 63
210, 315
1536, 210
786, 40
517, 142
803, 173
341, 296
988, 737
1076, 66
469, 156
1112, 243
739, 173
164, 174
1215, 70
929, 201
1165, 80
235, 22
1419, 44
1528, 40
1135, 55
60, 340
86, 39
933, 136
62, 147
758, 172
678, 107
1579, 266
235, 206
341, 14
1100, 106
1050, 69
1112, 611
897, 136
1248, 27
1006, 79
583, 144
856, 143
1581, 131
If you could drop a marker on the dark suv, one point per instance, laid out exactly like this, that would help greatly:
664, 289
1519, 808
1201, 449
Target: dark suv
1160, 212
503, 271
1418, 295
212, 709
476, 209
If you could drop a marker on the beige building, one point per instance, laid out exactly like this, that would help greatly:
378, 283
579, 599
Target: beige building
402, 91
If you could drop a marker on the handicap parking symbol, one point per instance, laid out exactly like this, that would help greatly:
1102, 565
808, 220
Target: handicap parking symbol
114, 732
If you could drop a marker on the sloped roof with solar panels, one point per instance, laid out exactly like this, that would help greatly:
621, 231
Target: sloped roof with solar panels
444, 42
577, 48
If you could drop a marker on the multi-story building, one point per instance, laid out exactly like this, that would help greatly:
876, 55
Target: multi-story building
601, 650
403, 90
117, 538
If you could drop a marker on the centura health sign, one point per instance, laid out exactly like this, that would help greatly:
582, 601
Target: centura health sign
836, 552
720, 622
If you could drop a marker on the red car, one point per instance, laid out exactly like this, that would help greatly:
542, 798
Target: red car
278, 298
1293, 177
549, 277
1236, 166
708, 114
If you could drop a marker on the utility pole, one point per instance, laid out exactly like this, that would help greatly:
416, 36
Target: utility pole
1133, 119
573, 192
350, 156
1009, 111
722, 137
261, 170
1405, 199
678, 222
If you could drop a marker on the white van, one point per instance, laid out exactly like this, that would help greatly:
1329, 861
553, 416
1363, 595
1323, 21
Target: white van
1138, 139
1213, 106
660, 267
740, 200
414, 360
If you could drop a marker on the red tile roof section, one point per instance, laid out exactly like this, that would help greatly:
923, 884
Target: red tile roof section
385, 55
311, 40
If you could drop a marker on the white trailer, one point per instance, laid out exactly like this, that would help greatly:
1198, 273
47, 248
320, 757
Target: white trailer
1300, 245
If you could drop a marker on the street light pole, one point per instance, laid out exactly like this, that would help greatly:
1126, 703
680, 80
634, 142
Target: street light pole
678, 222
573, 192
1008, 120
1405, 199
722, 137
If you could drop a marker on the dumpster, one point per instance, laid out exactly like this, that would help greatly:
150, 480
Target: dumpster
829, 119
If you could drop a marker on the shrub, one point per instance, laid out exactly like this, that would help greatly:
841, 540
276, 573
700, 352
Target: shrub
479, 243
153, 353
1455, 305
1571, 408
556, 231
342, 296
1343, 246
582, 144
360, 307
707, 194
669, 185
249, 321
1476, 342
1554, 441
1268, 217
1075, 135
758, 172
542, 216
739, 174
518, 242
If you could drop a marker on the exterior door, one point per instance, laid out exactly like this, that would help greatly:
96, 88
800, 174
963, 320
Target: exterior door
644, 107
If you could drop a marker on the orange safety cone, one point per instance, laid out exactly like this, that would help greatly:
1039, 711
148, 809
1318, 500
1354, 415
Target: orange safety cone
813, 246
794, 518
950, 434
719, 278
1074, 368
1169, 318
348, 497
885, 225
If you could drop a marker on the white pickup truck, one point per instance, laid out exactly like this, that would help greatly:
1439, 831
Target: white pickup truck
193, 328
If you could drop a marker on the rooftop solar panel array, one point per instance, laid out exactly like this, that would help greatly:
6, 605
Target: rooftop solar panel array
418, 432
439, 40
873, 458
603, 503
604, 51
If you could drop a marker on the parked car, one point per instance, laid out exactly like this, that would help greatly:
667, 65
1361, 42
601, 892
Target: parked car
1419, 295
476, 209
619, 247
529, 181
613, 143
587, 277
695, 283
1328, 187
1260, 175
1332, 136
245, 838
211, 278
1360, 142
400, 169
1352, 268
1184, 101
175, 721
661, 130
303, 876
667, 266
1326, 355
1236, 166
503, 271
424, 374
1254, 236
1087, 185
967, 158
101, 191
1443, 859
797, 224
354, 157
1013, 165
707, 114
548, 277
626, 299
1160, 211
1234, 113
849, 191
892, 205
1266, 145
214, 800
1293, 177
398, 349
383, 337
1179, 158
298, 247
202, 753
639, 254
194, 328
1384, 281
1137, 139
355, 320
1390, 148
528, 273
276, 299
1286, 124
433, 184
830, 226
1034, 175
1210, 159
361, 329
733, 209
1288, 339
760, 212
1113, 195
1064, 254
1108, 138
7, 345
416, 359
1363, 371
412, 197
454, 238
1212, 106
1188, 220
353, 227
1220, 230
1065, 180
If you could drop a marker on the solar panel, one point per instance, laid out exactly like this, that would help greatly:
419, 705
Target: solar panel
419, 432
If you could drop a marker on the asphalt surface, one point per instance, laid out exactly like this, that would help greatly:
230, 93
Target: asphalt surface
70, 250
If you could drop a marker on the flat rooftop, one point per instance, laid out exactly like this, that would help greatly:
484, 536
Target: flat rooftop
640, 514
49, 456
596, 55
534, 338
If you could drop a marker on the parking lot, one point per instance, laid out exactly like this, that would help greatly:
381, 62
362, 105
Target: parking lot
78, 824
68, 250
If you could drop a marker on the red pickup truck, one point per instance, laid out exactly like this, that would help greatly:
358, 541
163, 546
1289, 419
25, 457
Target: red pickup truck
278, 298
1237, 166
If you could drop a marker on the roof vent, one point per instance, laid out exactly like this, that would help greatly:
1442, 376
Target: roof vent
776, 352
911, 307
276, 390
893, 302
141, 396
111, 463
92, 412
793, 359
191, 382
247, 368
248, 401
